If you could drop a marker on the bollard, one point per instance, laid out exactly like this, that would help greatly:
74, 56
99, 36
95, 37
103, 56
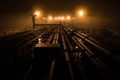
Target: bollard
44, 54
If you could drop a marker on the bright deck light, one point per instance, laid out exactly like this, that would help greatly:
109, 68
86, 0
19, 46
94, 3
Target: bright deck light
50, 17
37, 13
59, 18
68, 17
56, 18
62, 18
81, 13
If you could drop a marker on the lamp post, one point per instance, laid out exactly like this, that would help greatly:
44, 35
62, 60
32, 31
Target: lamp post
33, 21
36, 14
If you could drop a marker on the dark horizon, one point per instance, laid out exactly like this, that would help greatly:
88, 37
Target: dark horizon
19, 12
95, 8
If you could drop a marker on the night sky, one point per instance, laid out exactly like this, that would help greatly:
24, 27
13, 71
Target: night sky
94, 7
17, 13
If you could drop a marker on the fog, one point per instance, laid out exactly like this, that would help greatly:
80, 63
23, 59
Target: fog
22, 22
15, 22
97, 22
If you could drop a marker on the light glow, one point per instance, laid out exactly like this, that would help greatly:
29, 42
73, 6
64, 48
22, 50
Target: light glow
56, 18
81, 13
62, 18
39, 40
37, 13
59, 18
68, 17
50, 17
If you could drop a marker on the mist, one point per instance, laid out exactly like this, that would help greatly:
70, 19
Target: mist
15, 23
21, 22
